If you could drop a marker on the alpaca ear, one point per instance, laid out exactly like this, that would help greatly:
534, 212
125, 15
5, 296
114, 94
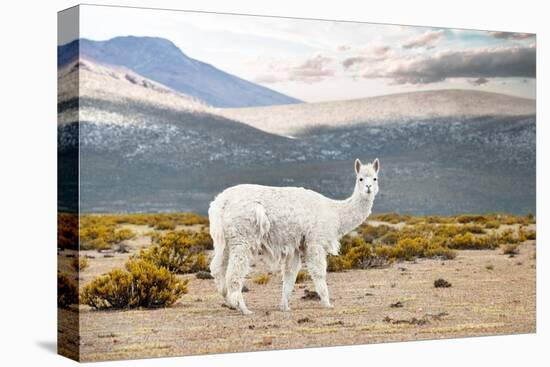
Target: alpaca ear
357, 166
376, 165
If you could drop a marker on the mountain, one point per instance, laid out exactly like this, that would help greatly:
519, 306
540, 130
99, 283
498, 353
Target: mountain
388, 109
147, 147
160, 60
144, 147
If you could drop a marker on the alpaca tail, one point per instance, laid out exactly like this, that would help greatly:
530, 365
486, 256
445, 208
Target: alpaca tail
215, 217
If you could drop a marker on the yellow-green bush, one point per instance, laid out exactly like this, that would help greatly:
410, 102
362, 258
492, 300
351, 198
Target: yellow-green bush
530, 235
492, 224
67, 231
438, 219
143, 219
165, 225
337, 264
302, 276
508, 236
67, 291
101, 237
430, 237
511, 249
179, 251
79, 263
262, 279
410, 248
471, 218
393, 218
140, 284
372, 233
355, 253
468, 241
390, 238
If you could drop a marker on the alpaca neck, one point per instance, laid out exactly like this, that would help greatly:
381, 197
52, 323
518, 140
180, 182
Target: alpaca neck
353, 211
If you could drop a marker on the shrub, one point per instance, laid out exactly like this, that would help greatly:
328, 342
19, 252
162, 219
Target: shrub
371, 233
67, 231
123, 235
262, 279
303, 276
165, 225
178, 251
140, 284
203, 239
438, 219
468, 241
474, 228
79, 263
355, 253
101, 237
492, 224
365, 256
527, 235
511, 249
143, 219
67, 291
390, 238
508, 236
337, 264
393, 218
410, 248
471, 218
531, 235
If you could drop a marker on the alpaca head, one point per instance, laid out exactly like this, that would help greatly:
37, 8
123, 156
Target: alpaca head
366, 181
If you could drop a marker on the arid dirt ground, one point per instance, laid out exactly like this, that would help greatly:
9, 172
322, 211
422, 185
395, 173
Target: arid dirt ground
491, 294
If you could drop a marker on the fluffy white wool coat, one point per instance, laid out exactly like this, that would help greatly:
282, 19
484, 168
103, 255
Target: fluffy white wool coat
290, 224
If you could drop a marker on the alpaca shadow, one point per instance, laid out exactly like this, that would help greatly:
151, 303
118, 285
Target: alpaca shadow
48, 345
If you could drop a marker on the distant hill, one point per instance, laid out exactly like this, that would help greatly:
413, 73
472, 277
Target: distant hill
388, 109
160, 60
147, 147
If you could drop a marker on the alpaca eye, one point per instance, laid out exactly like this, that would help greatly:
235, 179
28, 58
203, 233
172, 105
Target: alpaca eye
361, 179
374, 179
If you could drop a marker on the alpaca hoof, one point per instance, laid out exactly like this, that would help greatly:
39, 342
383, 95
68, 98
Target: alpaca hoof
285, 308
246, 312
328, 305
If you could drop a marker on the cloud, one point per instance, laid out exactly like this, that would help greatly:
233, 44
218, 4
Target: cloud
373, 53
427, 39
512, 35
312, 70
478, 63
344, 48
479, 81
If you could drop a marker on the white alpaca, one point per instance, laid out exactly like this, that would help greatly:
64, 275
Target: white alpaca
289, 224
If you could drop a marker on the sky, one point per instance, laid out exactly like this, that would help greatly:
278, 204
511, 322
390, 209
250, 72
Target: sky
318, 60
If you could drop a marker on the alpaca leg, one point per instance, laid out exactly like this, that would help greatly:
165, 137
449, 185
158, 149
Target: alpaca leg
237, 268
291, 267
218, 269
317, 266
